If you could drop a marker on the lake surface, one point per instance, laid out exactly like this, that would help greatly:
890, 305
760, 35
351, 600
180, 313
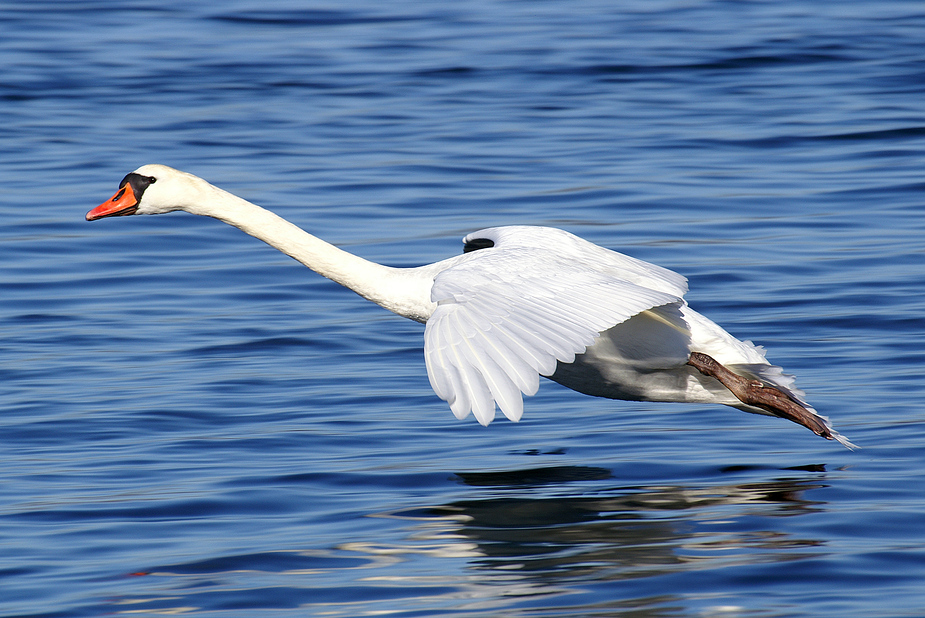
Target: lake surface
194, 424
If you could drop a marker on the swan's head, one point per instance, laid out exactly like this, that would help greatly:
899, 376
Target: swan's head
150, 190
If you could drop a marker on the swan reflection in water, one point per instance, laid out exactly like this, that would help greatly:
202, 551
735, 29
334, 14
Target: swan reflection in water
545, 545
554, 537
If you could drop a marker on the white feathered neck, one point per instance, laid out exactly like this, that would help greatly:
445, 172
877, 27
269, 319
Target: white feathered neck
405, 291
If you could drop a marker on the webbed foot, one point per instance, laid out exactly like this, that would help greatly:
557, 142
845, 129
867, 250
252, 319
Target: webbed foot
755, 393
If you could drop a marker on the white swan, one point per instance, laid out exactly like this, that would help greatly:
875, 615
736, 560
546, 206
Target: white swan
520, 302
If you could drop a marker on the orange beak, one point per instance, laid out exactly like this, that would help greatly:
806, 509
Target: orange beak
122, 203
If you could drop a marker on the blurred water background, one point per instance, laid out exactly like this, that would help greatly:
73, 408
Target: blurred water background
194, 424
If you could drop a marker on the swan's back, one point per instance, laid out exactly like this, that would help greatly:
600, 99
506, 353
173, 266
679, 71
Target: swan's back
565, 245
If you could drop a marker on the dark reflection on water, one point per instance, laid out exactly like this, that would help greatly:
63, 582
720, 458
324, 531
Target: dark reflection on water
561, 545
630, 527
564, 550
536, 476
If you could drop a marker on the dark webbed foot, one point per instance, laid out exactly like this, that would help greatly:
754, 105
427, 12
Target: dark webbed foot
754, 393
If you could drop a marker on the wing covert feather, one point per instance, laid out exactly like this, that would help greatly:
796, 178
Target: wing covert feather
505, 316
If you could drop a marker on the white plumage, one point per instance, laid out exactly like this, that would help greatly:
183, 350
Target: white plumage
524, 302
512, 312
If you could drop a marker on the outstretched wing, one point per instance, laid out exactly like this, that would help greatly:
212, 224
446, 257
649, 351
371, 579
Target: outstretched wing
508, 314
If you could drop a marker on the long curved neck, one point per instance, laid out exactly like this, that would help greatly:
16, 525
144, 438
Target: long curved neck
405, 291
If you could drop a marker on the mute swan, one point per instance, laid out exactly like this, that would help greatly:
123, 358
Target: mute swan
520, 302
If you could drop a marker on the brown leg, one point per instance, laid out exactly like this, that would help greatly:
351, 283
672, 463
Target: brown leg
754, 393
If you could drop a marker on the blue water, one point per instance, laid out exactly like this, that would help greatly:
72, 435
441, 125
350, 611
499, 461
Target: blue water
194, 424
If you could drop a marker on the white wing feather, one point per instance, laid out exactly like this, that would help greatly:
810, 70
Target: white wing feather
509, 314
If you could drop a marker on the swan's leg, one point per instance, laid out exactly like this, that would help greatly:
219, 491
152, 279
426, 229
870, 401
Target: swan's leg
754, 393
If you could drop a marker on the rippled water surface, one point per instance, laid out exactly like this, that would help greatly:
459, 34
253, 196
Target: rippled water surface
194, 424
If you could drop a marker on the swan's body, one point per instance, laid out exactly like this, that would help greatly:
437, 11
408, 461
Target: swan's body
519, 303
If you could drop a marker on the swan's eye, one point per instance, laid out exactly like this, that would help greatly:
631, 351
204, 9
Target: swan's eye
138, 183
